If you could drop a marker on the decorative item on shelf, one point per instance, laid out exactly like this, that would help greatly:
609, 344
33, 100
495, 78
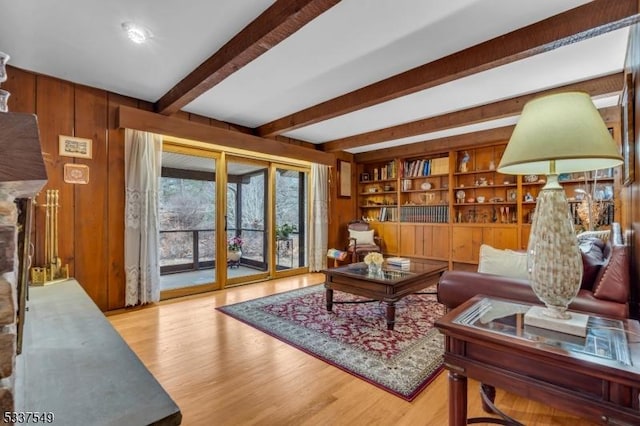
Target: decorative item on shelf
593, 207
426, 186
504, 214
464, 161
364, 177
480, 199
374, 262
4, 100
4, 58
234, 251
559, 133
529, 198
4, 95
492, 165
531, 178
429, 198
53, 270
460, 196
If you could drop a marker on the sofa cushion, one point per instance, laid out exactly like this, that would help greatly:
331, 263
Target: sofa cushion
592, 250
508, 263
612, 281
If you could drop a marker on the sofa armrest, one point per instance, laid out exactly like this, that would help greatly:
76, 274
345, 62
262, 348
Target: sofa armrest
456, 287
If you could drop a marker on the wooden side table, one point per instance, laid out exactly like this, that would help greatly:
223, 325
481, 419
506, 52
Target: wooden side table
597, 377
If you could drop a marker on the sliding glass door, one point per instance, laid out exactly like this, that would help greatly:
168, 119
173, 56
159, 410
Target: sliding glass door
290, 218
259, 207
247, 220
187, 214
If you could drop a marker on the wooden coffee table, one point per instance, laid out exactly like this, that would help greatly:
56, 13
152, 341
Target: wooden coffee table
390, 286
596, 378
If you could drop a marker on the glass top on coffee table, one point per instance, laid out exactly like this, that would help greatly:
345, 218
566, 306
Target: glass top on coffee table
388, 272
605, 340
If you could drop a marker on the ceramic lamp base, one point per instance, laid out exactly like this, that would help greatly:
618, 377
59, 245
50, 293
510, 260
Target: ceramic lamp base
575, 325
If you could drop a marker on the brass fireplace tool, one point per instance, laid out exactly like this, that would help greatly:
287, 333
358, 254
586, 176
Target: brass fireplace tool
53, 270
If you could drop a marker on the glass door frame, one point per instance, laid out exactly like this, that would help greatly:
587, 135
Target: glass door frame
261, 276
217, 283
272, 209
220, 154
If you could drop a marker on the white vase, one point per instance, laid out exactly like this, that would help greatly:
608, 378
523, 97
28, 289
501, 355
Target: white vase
374, 270
234, 255
4, 58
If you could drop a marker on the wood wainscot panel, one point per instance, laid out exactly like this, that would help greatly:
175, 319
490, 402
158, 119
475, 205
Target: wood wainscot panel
501, 237
436, 241
22, 86
55, 110
115, 202
91, 224
410, 243
466, 241
388, 231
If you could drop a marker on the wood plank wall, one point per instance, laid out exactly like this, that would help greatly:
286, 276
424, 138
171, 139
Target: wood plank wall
91, 216
631, 194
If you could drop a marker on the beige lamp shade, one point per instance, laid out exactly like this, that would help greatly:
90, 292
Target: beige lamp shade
565, 128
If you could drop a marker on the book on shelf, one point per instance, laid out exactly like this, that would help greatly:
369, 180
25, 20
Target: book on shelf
388, 214
440, 166
425, 167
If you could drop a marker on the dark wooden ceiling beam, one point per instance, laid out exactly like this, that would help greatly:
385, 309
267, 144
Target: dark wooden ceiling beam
147, 121
609, 84
275, 24
610, 115
587, 21
483, 137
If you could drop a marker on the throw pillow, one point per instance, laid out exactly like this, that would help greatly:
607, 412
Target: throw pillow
592, 250
362, 237
508, 263
612, 281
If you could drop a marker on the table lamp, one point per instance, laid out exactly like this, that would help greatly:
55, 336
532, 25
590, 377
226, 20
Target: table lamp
558, 133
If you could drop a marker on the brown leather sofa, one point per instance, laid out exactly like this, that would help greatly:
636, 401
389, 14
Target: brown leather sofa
604, 290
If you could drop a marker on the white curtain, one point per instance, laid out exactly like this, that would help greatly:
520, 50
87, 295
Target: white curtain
143, 163
319, 229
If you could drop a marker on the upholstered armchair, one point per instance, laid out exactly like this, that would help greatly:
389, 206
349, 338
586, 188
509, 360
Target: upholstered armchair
362, 240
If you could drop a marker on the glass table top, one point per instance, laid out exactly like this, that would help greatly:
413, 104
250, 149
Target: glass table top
388, 272
605, 340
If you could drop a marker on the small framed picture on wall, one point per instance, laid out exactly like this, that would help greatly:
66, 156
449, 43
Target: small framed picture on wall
344, 179
70, 146
628, 142
76, 173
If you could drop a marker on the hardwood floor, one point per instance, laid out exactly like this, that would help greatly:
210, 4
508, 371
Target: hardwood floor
223, 372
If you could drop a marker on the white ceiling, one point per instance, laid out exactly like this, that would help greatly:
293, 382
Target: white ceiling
353, 44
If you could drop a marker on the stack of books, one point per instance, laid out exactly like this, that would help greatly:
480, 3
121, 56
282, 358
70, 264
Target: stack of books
399, 262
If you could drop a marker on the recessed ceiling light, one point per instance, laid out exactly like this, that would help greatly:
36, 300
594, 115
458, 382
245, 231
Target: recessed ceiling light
136, 33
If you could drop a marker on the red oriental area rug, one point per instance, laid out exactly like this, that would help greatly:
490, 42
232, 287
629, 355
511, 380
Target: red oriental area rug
354, 337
